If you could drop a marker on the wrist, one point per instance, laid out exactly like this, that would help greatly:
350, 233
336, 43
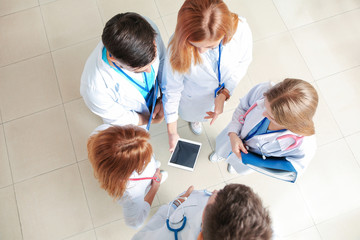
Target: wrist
225, 93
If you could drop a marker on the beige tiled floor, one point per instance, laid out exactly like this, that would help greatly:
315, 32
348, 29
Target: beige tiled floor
47, 187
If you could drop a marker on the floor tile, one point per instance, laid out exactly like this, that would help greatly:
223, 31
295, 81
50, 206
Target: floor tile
301, 12
164, 35
308, 234
115, 231
240, 91
261, 27
326, 128
341, 92
30, 90
9, 219
327, 46
277, 58
342, 227
205, 173
59, 205
5, 173
68, 22
82, 123
156, 129
167, 7
69, 64
90, 235
330, 183
38, 143
102, 207
354, 142
288, 210
170, 24
14, 29
10, 6
109, 8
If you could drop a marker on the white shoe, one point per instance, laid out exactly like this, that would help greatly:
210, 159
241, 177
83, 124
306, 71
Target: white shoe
230, 169
165, 175
196, 128
215, 158
157, 164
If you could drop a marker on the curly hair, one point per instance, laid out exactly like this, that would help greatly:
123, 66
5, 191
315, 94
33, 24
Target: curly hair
115, 153
236, 213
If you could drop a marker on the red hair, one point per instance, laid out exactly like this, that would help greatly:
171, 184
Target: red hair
115, 153
199, 20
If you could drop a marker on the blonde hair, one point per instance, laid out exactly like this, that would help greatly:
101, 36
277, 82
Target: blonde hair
293, 103
199, 20
115, 153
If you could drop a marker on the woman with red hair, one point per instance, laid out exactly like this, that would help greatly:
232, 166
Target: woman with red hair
208, 55
123, 162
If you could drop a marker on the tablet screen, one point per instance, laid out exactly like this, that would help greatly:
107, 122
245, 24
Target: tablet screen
185, 154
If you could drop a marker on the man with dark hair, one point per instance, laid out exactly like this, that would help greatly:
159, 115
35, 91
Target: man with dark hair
119, 79
232, 213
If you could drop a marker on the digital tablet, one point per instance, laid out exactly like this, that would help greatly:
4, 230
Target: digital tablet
185, 154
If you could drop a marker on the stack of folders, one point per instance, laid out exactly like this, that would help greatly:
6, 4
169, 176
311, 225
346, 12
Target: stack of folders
277, 167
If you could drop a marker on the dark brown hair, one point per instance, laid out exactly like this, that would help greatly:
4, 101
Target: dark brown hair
130, 39
199, 20
293, 103
236, 213
115, 153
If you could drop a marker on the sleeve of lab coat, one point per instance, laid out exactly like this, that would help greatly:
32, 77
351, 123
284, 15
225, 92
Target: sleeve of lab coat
241, 56
172, 87
246, 102
135, 211
300, 157
102, 103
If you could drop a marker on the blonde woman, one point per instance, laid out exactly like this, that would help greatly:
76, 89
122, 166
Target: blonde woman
208, 55
272, 121
123, 162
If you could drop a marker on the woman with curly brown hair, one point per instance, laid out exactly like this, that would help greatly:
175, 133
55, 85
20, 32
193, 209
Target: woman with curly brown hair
123, 162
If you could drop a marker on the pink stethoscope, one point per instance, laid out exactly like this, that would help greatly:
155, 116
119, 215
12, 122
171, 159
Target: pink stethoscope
297, 139
156, 179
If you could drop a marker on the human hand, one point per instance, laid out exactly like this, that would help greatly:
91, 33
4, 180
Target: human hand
155, 183
158, 114
173, 138
219, 108
237, 145
182, 198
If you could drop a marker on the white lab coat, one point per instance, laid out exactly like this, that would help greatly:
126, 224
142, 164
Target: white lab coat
156, 228
299, 157
135, 209
111, 95
192, 94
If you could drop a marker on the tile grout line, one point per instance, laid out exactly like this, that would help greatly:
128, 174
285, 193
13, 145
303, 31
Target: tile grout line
12, 179
78, 167
161, 18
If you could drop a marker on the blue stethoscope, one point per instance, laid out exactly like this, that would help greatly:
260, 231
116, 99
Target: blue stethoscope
183, 220
146, 89
221, 85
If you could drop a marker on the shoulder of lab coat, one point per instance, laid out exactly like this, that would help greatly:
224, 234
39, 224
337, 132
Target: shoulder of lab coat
161, 50
255, 94
237, 56
98, 97
172, 86
156, 228
301, 156
135, 209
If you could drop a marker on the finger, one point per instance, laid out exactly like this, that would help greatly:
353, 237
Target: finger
214, 118
188, 191
243, 148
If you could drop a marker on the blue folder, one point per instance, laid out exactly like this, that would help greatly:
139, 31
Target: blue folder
277, 167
